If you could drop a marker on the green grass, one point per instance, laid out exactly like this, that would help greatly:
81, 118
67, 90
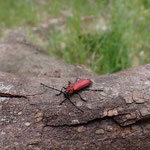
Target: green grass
124, 43
16, 13
111, 50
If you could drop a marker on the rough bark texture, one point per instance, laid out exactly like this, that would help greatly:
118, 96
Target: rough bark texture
116, 118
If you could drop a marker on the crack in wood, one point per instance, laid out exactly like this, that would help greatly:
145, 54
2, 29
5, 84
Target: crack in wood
80, 124
2, 94
12, 95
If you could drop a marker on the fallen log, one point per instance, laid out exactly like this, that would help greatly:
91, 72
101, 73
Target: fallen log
31, 118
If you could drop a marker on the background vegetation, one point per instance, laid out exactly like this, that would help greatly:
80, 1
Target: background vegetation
106, 36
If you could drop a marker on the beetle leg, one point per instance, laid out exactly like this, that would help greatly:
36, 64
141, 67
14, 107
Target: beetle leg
95, 90
81, 97
60, 91
78, 79
63, 101
69, 82
100, 90
71, 103
74, 104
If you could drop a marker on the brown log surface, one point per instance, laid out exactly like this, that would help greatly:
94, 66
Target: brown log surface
31, 117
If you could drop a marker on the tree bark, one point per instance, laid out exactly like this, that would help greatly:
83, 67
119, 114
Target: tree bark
30, 115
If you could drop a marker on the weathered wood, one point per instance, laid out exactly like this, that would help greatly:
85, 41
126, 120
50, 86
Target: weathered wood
116, 118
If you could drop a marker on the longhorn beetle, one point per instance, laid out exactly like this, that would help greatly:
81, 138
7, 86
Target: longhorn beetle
73, 88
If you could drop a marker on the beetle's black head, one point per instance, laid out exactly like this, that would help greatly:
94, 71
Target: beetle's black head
66, 94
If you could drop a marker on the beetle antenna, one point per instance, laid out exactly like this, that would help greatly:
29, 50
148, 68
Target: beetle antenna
50, 87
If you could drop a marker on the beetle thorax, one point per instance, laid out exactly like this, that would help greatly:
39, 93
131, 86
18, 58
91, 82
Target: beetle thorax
69, 90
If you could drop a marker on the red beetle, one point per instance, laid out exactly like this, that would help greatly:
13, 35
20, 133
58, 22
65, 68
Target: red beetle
77, 86
73, 88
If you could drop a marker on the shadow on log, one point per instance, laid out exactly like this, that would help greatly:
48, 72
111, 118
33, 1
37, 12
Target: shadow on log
116, 118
